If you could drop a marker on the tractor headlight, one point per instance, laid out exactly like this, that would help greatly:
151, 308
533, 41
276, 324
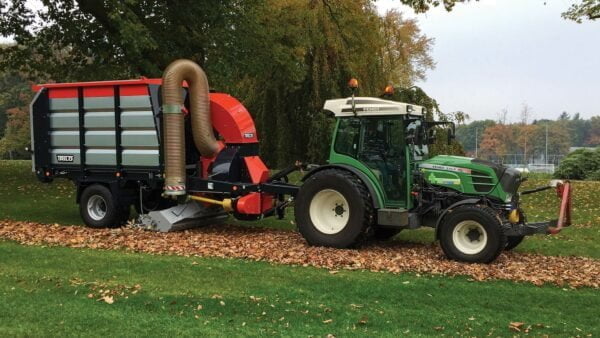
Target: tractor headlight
508, 198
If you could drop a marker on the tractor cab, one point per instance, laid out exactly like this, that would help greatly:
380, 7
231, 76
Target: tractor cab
381, 138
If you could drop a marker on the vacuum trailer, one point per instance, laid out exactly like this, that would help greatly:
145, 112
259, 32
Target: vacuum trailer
184, 156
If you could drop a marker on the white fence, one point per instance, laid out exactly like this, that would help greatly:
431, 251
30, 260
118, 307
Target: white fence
530, 164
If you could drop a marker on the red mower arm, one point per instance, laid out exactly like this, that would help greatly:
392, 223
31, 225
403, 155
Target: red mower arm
564, 192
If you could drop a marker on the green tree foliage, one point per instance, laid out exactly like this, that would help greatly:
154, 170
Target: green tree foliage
592, 138
12, 88
587, 9
466, 133
17, 136
582, 164
422, 6
559, 139
71, 40
282, 58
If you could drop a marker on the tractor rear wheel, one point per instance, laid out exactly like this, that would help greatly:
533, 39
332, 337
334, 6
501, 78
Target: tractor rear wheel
333, 208
473, 234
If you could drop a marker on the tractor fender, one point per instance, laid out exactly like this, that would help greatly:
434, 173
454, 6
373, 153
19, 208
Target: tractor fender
445, 212
365, 180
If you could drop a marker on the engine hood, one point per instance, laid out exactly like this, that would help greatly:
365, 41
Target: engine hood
471, 175
461, 164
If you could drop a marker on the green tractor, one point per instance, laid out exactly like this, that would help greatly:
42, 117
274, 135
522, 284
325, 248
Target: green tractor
379, 181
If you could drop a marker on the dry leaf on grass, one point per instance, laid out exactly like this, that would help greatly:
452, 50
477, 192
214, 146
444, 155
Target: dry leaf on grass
516, 326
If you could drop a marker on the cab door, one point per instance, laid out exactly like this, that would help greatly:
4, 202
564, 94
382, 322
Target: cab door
382, 150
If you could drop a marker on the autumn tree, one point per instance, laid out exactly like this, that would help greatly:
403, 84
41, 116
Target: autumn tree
593, 139
16, 136
469, 134
558, 138
525, 134
497, 140
405, 55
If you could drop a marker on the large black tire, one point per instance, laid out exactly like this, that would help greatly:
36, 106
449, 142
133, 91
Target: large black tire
98, 209
384, 234
322, 203
513, 241
473, 234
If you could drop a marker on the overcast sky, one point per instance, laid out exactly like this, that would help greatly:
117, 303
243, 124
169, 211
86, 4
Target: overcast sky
496, 54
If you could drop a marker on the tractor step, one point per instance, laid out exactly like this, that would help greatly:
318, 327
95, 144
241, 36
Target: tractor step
181, 217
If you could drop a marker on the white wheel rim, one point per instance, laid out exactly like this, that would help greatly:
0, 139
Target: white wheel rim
329, 211
96, 207
469, 237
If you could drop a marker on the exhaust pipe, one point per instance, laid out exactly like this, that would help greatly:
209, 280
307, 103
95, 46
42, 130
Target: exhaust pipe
173, 130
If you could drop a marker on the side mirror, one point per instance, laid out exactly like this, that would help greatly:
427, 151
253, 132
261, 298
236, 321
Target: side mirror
451, 136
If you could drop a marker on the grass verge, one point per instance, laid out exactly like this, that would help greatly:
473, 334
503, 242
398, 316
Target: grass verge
47, 289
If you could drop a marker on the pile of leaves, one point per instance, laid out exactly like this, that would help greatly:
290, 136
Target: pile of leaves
286, 247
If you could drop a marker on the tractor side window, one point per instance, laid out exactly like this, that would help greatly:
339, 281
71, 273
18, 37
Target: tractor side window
347, 137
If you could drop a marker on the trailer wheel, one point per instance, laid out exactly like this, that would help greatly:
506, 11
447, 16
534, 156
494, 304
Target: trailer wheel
98, 209
513, 241
384, 234
333, 208
473, 234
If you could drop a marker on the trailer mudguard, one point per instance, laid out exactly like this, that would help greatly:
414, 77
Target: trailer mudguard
354, 171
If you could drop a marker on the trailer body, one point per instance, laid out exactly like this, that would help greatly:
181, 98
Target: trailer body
111, 133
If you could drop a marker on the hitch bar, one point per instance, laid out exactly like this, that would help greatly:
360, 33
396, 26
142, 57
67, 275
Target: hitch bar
564, 191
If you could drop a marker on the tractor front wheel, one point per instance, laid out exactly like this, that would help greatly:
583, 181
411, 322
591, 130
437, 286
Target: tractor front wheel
333, 209
473, 234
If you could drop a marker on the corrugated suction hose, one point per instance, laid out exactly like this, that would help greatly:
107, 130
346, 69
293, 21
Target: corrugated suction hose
173, 130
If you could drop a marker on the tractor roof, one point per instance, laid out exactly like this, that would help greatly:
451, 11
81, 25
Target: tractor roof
371, 106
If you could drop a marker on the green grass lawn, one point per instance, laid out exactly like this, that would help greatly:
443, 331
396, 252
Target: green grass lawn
22, 197
45, 290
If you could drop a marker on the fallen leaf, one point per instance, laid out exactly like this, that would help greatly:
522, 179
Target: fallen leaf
515, 326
